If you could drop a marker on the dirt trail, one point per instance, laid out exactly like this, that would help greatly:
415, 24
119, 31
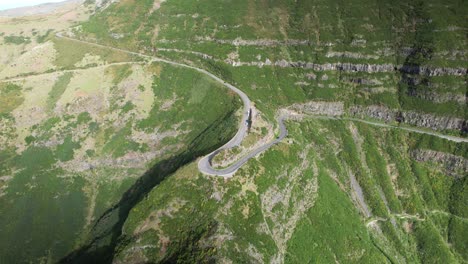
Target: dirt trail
204, 165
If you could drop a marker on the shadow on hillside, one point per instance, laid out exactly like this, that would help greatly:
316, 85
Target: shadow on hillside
108, 227
107, 230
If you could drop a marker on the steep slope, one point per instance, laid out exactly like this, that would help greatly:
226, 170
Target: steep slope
99, 146
399, 63
393, 61
79, 131
335, 190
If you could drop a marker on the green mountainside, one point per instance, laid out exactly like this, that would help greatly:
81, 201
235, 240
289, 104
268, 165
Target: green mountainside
375, 50
100, 139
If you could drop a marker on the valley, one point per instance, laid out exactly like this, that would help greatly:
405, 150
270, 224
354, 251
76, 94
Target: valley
338, 130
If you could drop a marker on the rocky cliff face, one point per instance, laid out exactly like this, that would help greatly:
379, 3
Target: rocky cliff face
453, 165
439, 97
374, 111
355, 67
432, 121
382, 113
319, 108
385, 114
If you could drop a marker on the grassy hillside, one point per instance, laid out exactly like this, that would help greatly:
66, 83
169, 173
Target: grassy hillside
300, 202
397, 59
75, 142
99, 146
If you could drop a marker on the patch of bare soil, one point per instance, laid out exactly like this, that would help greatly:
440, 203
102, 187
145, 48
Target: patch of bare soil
156, 5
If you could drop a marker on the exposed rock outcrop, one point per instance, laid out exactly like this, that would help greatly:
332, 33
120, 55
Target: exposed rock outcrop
362, 81
382, 113
432, 121
374, 111
353, 67
257, 42
351, 55
453, 165
439, 97
418, 119
319, 108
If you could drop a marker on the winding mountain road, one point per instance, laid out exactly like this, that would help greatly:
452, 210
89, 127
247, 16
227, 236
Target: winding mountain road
204, 164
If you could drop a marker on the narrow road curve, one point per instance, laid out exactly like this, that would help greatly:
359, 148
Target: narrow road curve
204, 165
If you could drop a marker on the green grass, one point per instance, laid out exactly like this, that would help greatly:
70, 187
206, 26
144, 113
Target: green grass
383, 27
55, 222
38, 202
42, 210
332, 231
333, 228
377, 165
193, 91
65, 150
458, 228
457, 236
192, 221
58, 89
431, 246
71, 52
17, 40
45, 37
118, 144
10, 97
120, 72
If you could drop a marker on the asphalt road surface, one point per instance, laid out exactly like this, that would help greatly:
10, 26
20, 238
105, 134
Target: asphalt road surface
204, 165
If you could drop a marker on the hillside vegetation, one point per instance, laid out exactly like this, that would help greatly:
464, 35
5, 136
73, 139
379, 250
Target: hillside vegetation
74, 142
382, 58
99, 144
